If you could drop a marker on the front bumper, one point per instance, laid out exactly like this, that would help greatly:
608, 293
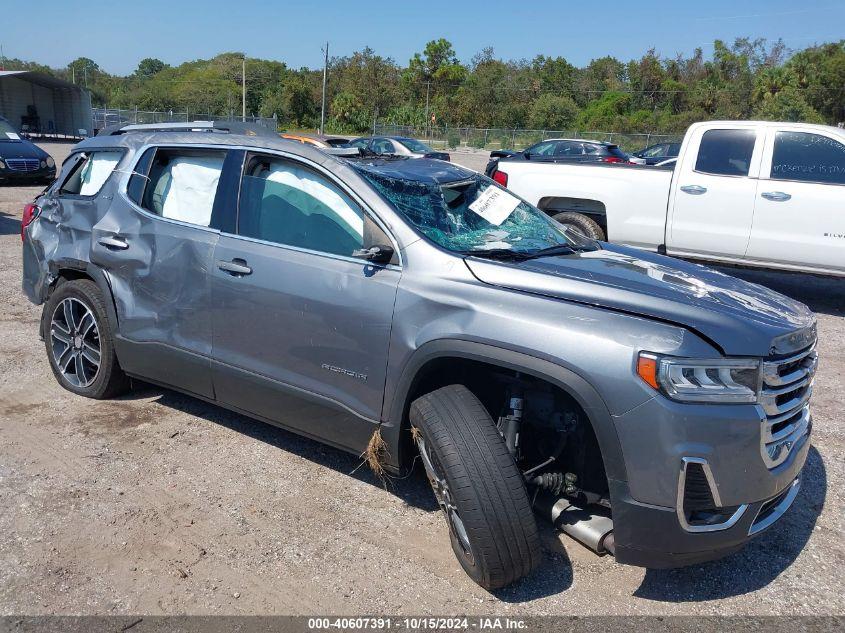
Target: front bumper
704, 479
40, 174
648, 536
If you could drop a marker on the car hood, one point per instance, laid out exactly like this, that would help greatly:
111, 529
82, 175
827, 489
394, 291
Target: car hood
20, 149
739, 317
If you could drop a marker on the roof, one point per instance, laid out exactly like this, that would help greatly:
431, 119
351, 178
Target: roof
40, 79
417, 169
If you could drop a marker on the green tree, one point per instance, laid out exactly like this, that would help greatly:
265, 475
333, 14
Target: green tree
553, 112
149, 66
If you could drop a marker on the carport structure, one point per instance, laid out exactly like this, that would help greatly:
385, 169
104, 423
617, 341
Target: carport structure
40, 104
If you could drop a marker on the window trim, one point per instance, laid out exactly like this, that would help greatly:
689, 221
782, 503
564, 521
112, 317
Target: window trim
251, 152
753, 162
57, 192
769, 157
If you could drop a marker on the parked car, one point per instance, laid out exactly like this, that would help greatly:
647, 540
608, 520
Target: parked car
658, 153
318, 140
757, 194
397, 146
413, 310
570, 150
21, 160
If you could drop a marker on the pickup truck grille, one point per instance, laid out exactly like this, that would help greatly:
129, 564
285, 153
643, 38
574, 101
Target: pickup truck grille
784, 398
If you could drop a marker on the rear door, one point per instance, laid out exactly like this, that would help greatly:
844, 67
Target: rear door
712, 200
301, 327
799, 216
156, 243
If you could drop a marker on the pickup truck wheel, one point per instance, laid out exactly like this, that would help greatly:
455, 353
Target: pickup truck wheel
478, 486
79, 342
581, 223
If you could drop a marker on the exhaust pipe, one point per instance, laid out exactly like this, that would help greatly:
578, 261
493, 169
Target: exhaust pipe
592, 529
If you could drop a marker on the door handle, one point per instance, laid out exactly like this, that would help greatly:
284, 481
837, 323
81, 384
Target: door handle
775, 196
695, 190
237, 267
114, 243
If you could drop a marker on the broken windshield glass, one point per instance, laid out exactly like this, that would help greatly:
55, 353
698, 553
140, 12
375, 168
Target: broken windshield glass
474, 215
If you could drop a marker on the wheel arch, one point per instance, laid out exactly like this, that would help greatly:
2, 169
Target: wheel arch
63, 270
444, 350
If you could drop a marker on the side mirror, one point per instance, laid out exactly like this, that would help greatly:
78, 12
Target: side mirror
527, 154
378, 254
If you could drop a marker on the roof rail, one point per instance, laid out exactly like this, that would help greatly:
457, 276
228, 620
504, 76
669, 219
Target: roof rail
220, 127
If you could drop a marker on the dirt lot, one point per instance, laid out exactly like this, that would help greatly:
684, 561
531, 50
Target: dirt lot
158, 503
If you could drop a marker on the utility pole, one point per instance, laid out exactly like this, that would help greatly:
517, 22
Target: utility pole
2, 59
323, 107
427, 93
243, 89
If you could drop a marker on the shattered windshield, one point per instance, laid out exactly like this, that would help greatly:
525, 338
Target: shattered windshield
475, 215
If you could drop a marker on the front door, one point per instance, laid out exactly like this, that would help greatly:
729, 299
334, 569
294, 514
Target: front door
799, 216
301, 327
712, 201
156, 245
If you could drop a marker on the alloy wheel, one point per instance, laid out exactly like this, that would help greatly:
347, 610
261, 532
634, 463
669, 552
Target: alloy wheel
444, 496
75, 342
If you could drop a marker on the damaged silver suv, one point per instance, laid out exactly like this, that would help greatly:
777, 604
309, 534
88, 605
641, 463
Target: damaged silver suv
652, 409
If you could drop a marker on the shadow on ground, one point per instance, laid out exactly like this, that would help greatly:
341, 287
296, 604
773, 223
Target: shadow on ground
552, 577
9, 224
754, 567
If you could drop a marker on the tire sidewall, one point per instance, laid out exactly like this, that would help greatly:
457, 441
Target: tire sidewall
581, 223
472, 567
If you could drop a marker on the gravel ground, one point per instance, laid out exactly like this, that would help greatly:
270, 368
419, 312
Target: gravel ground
161, 504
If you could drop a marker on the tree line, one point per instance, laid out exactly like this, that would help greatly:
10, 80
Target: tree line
750, 78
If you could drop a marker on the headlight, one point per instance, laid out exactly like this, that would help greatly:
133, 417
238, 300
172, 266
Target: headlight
725, 380
2, 165
43, 164
50, 162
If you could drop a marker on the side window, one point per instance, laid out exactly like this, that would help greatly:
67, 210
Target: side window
543, 149
361, 142
286, 203
182, 184
383, 146
808, 157
726, 152
88, 176
140, 176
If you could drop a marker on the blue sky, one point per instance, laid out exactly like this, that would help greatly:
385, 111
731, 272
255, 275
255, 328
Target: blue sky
119, 34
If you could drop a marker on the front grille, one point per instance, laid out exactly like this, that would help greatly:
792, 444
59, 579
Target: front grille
784, 398
23, 164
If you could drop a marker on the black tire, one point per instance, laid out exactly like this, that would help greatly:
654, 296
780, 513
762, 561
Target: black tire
484, 484
581, 223
108, 380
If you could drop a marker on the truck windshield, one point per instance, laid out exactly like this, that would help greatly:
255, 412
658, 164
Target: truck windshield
476, 216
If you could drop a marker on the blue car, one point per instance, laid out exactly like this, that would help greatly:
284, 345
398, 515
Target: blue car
22, 160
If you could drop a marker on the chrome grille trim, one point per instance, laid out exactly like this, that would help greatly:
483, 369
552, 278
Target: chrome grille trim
785, 423
23, 164
714, 492
771, 515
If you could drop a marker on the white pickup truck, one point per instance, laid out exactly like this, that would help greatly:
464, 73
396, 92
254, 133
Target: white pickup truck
752, 193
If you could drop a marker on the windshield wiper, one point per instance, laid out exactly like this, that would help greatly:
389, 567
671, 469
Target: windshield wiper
497, 253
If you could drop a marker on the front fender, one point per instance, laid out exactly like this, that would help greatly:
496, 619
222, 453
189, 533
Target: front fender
573, 384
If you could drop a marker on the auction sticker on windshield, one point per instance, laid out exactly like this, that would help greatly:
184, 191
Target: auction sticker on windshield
494, 205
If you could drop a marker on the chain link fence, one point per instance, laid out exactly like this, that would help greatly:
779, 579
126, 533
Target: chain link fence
104, 117
504, 138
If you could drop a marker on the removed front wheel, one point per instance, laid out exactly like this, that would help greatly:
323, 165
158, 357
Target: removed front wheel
478, 486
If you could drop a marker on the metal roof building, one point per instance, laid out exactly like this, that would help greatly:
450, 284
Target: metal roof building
42, 104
